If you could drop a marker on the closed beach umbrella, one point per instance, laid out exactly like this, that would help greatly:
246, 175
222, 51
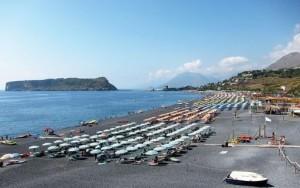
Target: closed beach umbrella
75, 137
95, 151
140, 145
102, 141
151, 152
148, 142
33, 147
124, 142
84, 140
73, 150
138, 138
58, 142
85, 136
160, 138
160, 148
74, 142
63, 145
53, 148
103, 135
131, 148
112, 139
131, 140
94, 144
167, 146
119, 136
47, 144
67, 139
83, 147
121, 152
106, 148
116, 145
94, 137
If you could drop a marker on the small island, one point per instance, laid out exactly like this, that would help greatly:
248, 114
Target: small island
61, 84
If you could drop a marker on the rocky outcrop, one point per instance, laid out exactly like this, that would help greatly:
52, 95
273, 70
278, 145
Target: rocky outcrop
61, 84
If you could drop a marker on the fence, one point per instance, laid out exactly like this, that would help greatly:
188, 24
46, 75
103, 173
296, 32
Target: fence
283, 155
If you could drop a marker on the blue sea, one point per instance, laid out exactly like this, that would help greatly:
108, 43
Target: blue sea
22, 112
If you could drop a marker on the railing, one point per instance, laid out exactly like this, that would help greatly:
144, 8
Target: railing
283, 155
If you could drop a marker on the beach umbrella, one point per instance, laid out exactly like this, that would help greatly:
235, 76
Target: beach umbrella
131, 140
53, 148
151, 152
103, 135
63, 145
116, 145
75, 142
58, 142
148, 142
47, 144
85, 136
112, 139
160, 148
138, 138
67, 139
120, 136
167, 146
33, 147
84, 140
140, 146
94, 144
83, 147
95, 151
102, 141
160, 138
121, 152
131, 148
73, 150
94, 137
124, 142
75, 137
106, 148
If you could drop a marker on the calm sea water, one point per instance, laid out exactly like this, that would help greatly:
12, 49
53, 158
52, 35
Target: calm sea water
21, 112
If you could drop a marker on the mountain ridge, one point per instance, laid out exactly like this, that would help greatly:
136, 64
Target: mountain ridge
289, 61
189, 79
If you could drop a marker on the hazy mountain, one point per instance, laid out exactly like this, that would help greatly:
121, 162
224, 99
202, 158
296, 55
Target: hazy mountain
189, 79
61, 84
292, 60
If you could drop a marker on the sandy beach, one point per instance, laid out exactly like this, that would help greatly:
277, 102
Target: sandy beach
204, 166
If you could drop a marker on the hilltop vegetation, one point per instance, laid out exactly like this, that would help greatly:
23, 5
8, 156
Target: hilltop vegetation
61, 84
265, 81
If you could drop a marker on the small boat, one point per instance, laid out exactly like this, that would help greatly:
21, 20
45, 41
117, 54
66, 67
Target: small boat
246, 178
173, 159
8, 142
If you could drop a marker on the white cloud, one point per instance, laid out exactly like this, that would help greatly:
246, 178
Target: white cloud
292, 46
225, 67
193, 66
165, 74
297, 28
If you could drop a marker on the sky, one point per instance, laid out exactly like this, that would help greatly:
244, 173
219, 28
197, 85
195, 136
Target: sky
139, 43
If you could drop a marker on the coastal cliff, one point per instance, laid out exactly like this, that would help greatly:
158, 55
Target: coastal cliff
61, 84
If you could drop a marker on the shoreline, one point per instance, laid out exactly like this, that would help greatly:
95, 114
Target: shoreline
205, 165
108, 117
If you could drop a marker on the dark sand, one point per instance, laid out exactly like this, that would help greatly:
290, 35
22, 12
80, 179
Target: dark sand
203, 166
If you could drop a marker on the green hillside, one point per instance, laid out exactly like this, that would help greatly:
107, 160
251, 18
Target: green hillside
265, 81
